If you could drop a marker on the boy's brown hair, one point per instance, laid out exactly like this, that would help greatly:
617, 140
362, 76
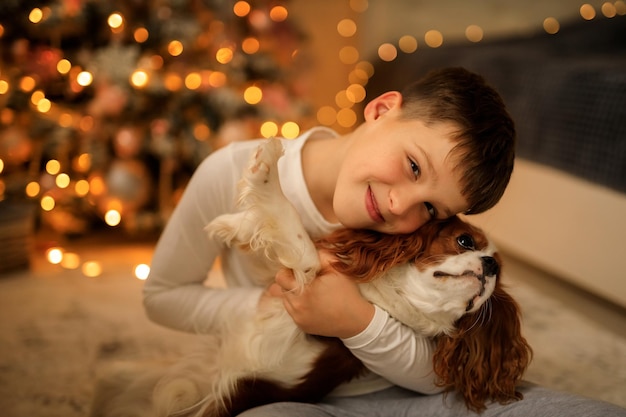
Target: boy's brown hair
486, 137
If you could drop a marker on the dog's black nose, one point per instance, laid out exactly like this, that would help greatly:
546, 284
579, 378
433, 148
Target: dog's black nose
490, 266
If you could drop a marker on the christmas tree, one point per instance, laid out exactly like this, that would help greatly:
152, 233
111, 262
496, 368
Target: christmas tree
107, 107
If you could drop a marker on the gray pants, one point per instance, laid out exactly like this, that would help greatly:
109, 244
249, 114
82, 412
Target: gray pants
398, 402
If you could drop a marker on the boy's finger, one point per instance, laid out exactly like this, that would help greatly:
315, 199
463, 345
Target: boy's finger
285, 279
275, 290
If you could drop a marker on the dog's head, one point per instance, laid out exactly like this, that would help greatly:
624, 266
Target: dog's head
444, 270
450, 271
453, 272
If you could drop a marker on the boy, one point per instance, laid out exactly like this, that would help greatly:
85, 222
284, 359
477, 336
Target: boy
443, 146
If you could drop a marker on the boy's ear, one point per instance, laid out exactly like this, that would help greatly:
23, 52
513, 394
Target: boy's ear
382, 104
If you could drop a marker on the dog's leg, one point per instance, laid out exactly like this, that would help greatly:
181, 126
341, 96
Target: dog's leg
187, 388
267, 222
124, 389
256, 188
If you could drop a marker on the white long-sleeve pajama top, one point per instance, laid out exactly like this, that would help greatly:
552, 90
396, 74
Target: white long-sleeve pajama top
175, 294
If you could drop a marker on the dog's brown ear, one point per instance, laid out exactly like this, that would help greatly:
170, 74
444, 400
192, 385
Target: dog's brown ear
486, 356
365, 254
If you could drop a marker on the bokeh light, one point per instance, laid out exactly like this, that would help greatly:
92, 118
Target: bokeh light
175, 48
433, 38
241, 8
290, 130
81, 188
37, 96
139, 78
142, 271
278, 13
84, 78
355, 93
193, 81
346, 118
474, 33
112, 218
387, 52
349, 55
269, 129
250, 45
587, 11
36, 15
224, 55
44, 105
253, 95
141, 35
70, 260
407, 44
62, 180
27, 83
47, 203
32, 189
54, 255
342, 101
346, 28
359, 6
551, 25
64, 66
53, 167
92, 269
326, 115
115, 21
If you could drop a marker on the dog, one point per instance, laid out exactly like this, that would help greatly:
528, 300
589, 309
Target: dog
443, 281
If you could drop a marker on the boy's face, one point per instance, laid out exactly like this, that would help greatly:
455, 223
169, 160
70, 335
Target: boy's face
397, 175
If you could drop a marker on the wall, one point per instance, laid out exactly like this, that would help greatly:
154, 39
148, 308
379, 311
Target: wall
569, 227
318, 20
387, 21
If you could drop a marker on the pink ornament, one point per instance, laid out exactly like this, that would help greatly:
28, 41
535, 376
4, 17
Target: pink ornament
110, 100
127, 142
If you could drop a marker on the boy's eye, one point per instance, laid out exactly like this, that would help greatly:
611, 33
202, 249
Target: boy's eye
431, 210
415, 169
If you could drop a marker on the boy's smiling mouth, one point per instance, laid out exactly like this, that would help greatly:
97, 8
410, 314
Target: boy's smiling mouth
372, 206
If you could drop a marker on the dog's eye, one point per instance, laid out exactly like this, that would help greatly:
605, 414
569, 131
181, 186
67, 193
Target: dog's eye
466, 241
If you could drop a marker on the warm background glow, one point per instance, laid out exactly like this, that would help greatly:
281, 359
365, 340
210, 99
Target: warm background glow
342, 44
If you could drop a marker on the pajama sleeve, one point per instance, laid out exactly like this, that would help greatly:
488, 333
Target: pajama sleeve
174, 293
396, 352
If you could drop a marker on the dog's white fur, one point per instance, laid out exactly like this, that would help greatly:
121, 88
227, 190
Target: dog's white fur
269, 345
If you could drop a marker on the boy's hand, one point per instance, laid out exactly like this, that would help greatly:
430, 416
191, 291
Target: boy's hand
331, 305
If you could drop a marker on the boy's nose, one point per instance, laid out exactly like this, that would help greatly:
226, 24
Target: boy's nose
396, 205
400, 202
407, 212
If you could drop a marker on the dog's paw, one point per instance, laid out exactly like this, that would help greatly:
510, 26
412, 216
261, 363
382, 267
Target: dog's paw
225, 228
263, 161
176, 395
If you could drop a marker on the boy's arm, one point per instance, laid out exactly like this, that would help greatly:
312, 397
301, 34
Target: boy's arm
396, 352
332, 305
174, 294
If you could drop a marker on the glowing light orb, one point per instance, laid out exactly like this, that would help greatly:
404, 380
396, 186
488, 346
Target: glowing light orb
142, 271
54, 255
